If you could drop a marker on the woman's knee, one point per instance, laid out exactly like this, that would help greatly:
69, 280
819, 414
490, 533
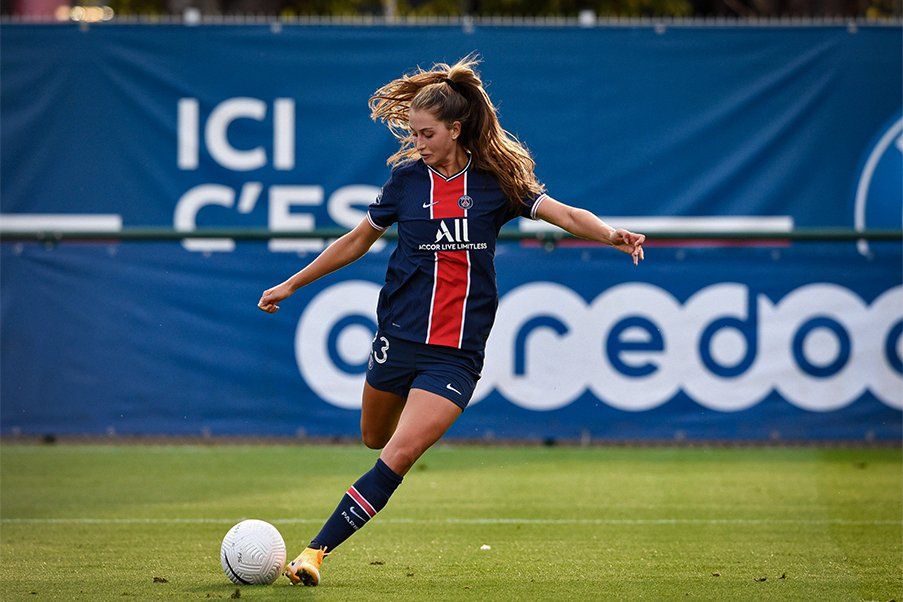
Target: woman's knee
400, 458
374, 440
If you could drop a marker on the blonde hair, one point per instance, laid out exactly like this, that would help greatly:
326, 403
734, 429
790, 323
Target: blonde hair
455, 93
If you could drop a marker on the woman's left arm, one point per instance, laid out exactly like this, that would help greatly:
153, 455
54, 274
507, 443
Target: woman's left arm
583, 224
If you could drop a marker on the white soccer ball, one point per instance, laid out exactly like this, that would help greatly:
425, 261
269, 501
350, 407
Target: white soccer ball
253, 553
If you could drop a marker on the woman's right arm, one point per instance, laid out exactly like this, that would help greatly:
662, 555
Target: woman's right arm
347, 249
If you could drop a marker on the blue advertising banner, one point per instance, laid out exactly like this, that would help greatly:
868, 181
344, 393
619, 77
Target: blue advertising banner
699, 343
752, 128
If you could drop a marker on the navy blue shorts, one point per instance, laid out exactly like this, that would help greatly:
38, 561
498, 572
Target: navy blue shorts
397, 366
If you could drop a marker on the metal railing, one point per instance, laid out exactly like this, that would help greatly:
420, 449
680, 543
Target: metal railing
467, 21
258, 234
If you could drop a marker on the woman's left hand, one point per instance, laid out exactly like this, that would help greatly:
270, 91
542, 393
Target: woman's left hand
269, 301
630, 243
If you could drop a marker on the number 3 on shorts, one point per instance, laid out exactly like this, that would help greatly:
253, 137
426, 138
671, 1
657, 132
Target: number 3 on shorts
381, 355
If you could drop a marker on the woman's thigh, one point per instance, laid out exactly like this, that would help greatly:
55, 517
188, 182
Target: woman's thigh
425, 418
380, 411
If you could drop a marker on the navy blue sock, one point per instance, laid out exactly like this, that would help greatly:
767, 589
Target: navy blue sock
361, 502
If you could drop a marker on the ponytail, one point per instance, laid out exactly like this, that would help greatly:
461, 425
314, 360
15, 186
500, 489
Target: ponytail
455, 93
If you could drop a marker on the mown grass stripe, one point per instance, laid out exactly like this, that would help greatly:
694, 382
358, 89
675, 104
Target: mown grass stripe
464, 521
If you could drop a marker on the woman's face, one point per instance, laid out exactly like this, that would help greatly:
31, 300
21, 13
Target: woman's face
435, 142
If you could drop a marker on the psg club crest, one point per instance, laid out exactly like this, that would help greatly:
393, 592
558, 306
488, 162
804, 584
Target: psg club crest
465, 202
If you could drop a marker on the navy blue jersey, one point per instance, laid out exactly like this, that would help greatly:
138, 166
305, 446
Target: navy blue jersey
440, 284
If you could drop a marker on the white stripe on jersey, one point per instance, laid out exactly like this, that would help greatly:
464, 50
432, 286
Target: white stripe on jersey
536, 205
429, 321
431, 200
467, 293
464, 310
374, 224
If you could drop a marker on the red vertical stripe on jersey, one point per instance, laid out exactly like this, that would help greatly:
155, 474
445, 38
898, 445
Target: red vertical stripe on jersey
452, 271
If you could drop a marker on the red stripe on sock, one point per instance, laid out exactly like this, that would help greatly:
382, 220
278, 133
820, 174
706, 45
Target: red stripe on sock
364, 504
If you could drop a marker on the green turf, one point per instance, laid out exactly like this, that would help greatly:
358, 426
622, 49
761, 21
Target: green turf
563, 523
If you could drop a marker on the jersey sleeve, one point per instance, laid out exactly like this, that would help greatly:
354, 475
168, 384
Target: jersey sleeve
383, 212
529, 204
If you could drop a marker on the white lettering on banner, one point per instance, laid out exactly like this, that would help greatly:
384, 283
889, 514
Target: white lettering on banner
216, 133
728, 377
283, 219
347, 206
886, 323
284, 134
317, 323
185, 219
783, 324
634, 347
342, 210
282, 212
188, 133
635, 364
550, 372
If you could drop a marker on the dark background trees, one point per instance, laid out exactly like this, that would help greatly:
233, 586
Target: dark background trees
871, 9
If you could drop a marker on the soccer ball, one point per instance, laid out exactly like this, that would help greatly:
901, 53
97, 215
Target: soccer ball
253, 553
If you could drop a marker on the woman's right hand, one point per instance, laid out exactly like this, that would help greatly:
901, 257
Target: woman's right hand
272, 296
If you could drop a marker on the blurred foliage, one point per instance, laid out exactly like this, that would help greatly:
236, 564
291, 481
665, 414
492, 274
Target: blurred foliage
525, 8
882, 9
337, 8
625, 8
874, 9
133, 7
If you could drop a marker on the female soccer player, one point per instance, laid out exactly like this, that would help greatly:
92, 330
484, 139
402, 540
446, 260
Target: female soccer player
457, 179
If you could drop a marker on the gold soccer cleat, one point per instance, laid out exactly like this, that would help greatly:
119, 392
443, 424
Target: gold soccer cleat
305, 569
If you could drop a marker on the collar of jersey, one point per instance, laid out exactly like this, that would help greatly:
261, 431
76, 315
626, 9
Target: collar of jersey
450, 178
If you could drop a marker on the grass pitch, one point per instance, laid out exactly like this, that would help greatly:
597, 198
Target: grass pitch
102, 522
